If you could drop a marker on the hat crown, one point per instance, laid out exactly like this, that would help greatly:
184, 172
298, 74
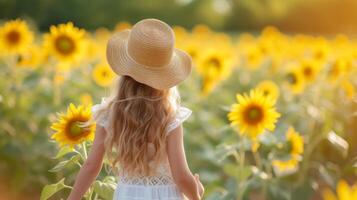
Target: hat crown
151, 43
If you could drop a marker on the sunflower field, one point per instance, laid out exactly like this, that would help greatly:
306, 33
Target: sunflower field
274, 114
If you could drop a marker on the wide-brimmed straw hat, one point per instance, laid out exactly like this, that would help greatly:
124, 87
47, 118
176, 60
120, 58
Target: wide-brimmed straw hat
147, 54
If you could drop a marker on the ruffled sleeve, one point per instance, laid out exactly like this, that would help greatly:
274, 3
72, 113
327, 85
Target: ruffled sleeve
182, 115
100, 114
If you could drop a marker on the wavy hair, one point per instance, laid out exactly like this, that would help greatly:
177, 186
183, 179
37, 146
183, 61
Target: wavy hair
138, 119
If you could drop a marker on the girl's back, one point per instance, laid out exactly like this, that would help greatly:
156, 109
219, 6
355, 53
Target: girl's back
139, 126
158, 181
134, 182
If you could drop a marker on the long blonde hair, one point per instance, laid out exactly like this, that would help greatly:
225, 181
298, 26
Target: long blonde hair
138, 114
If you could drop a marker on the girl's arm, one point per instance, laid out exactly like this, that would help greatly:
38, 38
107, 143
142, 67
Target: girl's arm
91, 167
186, 182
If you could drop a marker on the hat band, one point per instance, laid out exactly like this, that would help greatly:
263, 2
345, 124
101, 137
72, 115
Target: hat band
145, 66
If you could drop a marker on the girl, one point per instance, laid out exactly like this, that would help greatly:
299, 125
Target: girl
139, 127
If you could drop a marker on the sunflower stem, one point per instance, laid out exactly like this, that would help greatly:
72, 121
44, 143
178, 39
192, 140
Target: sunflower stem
258, 161
241, 166
84, 149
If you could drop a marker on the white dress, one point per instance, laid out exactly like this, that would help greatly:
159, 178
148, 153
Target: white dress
158, 187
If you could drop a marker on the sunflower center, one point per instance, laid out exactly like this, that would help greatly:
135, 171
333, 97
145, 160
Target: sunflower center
20, 58
319, 54
75, 129
266, 92
105, 74
64, 44
13, 37
214, 62
253, 114
251, 57
291, 78
307, 71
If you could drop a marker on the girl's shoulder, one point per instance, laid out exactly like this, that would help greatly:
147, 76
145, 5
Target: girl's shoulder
182, 114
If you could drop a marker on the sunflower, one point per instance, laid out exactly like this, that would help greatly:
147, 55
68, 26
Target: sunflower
217, 63
253, 114
295, 80
296, 142
269, 88
65, 42
339, 68
213, 66
180, 35
254, 58
96, 45
191, 46
32, 58
102, 34
320, 51
208, 84
344, 192
309, 69
122, 26
15, 37
348, 89
201, 30
74, 127
103, 75
285, 166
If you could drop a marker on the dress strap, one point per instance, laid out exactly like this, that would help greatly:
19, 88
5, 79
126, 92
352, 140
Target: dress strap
182, 115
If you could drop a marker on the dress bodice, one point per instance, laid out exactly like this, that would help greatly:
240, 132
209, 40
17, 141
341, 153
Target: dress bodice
162, 173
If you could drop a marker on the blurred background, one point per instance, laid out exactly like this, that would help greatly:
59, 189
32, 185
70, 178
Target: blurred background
313, 16
304, 53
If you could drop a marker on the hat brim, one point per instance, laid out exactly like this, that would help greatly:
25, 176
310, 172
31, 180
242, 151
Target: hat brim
161, 78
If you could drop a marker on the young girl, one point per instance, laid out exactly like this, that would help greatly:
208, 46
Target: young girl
140, 126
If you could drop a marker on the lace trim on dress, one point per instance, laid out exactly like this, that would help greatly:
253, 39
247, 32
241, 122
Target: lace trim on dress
136, 192
163, 177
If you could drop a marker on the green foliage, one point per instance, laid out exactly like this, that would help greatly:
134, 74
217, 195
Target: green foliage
50, 190
67, 163
105, 188
68, 157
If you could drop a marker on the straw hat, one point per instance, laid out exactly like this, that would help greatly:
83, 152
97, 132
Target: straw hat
147, 54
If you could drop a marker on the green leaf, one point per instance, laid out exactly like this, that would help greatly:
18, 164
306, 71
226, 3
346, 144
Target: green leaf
246, 172
105, 189
109, 179
223, 151
338, 142
64, 151
276, 192
50, 190
61, 165
219, 195
233, 171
